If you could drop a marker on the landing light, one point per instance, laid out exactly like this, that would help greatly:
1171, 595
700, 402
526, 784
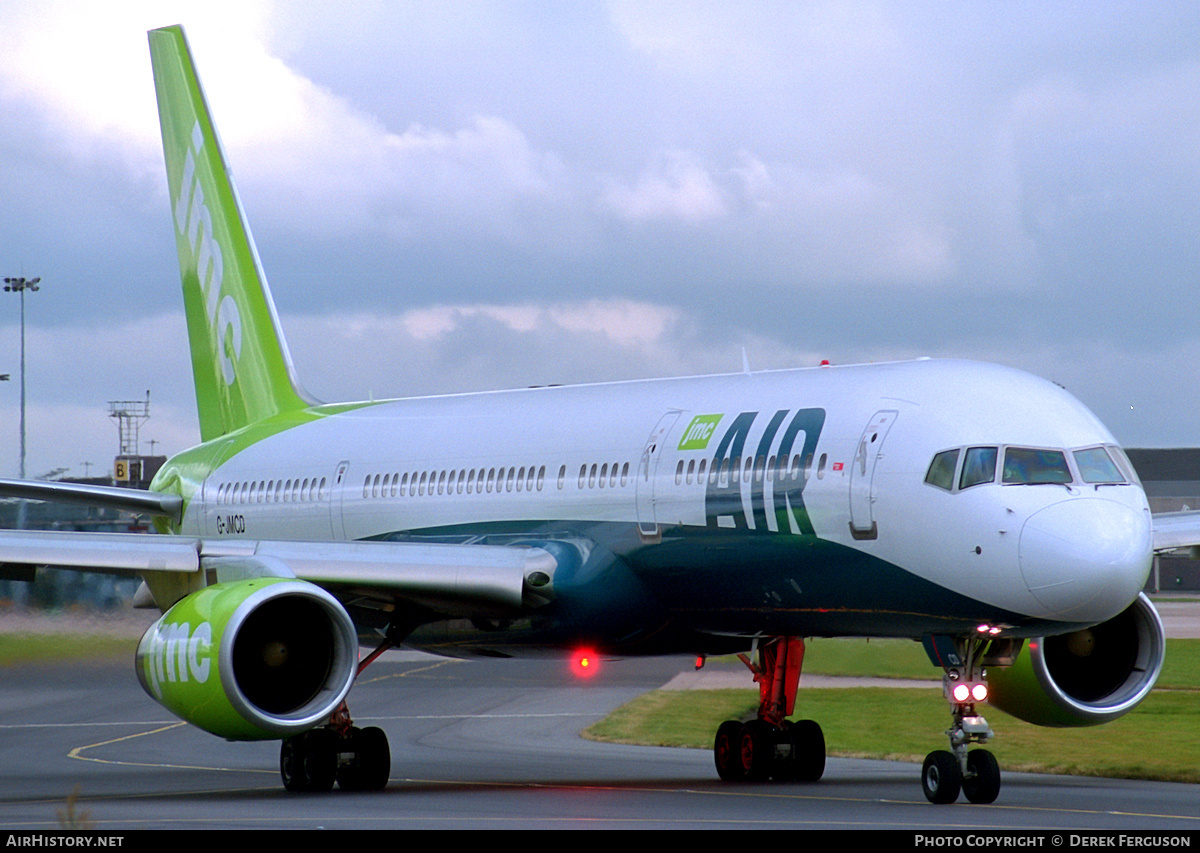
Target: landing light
966, 692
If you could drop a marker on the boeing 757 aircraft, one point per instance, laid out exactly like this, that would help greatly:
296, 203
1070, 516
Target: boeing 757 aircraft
978, 509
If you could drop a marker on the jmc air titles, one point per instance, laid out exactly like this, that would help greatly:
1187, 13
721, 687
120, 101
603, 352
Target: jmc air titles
759, 468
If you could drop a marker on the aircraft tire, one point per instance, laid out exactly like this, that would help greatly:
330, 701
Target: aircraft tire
291, 765
727, 752
941, 778
808, 751
308, 761
981, 785
374, 759
320, 759
757, 750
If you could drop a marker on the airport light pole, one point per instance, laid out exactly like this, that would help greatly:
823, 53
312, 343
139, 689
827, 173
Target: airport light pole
20, 284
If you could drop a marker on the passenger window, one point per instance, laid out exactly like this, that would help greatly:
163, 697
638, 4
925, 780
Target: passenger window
941, 469
979, 466
1096, 466
1027, 466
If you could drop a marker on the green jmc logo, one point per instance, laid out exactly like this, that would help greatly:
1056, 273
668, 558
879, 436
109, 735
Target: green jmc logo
699, 431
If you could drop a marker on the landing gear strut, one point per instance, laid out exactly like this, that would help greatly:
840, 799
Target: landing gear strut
974, 773
770, 746
357, 759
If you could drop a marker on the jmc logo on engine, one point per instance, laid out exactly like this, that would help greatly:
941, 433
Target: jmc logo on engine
177, 653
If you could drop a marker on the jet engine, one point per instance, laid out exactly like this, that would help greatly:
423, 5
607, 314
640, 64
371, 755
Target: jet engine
255, 659
1087, 677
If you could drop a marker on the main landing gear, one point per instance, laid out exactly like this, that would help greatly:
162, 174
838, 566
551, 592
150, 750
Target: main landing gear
975, 773
770, 746
357, 759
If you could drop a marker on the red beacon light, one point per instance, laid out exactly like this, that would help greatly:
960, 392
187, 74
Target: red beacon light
584, 663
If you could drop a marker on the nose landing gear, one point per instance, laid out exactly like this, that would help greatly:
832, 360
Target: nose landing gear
974, 773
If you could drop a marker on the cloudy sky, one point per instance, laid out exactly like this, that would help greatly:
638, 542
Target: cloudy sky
454, 196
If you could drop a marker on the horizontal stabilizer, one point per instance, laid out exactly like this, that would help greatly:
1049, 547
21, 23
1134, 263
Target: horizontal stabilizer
137, 501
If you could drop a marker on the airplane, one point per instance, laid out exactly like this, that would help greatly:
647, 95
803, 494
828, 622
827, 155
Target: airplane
976, 508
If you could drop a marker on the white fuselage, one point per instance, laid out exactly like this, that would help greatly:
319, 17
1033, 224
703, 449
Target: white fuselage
814, 478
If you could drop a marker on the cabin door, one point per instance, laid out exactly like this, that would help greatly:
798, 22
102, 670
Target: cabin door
647, 470
862, 474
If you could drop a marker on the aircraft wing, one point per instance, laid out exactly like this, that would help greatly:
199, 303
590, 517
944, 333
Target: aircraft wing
445, 577
1176, 530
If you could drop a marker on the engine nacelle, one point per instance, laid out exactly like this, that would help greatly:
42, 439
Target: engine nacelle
254, 659
1086, 677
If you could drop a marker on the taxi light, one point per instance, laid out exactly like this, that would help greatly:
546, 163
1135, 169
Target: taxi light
979, 692
961, 693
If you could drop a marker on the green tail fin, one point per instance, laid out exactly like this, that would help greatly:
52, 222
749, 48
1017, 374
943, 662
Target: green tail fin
240, 362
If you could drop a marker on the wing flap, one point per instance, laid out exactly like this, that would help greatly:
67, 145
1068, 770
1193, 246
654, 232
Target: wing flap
112, 553
441, 576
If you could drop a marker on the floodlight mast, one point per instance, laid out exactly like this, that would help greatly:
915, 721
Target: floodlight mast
20, 284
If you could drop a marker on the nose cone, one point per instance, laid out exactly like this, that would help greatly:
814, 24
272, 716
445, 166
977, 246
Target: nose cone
1085, 559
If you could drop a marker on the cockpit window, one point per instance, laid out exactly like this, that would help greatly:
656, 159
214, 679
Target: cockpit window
941, 469
1096, 466
979, 466
1124, 464
1030, 466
